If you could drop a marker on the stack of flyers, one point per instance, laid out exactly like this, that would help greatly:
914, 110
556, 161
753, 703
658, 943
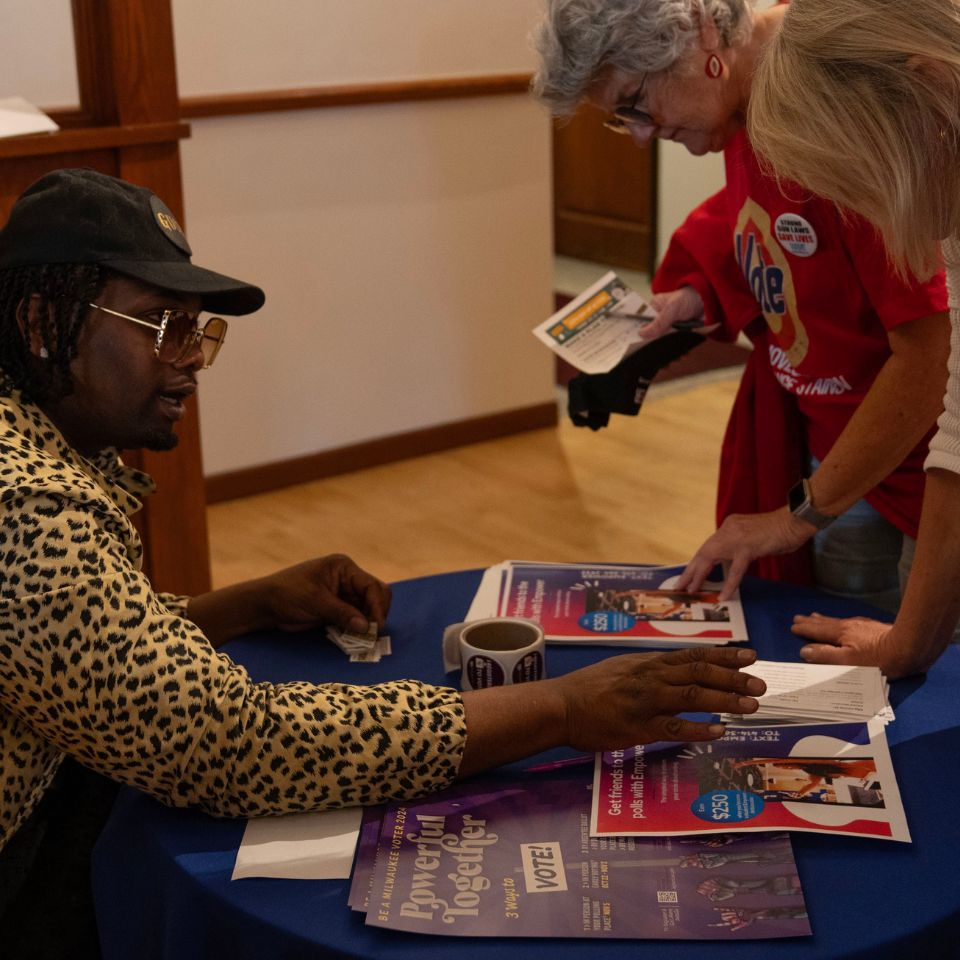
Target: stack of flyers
817, 693
514, 859
361, 647
632, 605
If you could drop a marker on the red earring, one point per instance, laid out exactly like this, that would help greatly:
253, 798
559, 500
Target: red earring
714, 66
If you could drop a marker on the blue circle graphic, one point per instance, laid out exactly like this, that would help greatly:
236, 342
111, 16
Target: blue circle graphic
727, 806
607, 621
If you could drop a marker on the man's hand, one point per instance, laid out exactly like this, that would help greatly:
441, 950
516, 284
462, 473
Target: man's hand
613, 704
673, 307
856, 640
740, 539
328, 590
633, 698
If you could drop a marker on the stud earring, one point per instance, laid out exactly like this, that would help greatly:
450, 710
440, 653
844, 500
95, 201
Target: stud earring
714, 66
44, 353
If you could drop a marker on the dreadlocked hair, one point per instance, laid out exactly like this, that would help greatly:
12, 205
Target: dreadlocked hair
64, 290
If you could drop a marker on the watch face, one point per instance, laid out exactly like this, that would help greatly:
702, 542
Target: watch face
797, 496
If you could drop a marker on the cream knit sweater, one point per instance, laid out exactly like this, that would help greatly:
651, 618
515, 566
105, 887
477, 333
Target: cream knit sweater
945, 445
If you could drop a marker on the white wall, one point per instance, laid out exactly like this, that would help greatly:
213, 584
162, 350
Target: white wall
37, 56
405, 248
683, 181
229, 45
405, 252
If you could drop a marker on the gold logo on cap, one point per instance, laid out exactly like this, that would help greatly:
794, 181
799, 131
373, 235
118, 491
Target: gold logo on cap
167, 221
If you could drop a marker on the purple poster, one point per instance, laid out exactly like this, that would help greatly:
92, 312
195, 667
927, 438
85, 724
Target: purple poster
517, 860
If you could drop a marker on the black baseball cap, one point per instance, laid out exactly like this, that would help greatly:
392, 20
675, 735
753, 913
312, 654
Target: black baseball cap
82, 216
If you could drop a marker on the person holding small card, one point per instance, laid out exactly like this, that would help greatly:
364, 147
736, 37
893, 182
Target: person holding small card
845, 350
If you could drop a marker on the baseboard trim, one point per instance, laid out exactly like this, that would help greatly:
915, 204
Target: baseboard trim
375, 453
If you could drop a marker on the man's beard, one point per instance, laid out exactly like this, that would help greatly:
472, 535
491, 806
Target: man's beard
159, 440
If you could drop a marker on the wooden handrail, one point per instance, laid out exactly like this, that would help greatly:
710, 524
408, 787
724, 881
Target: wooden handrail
78, 139
316, 98
357, 94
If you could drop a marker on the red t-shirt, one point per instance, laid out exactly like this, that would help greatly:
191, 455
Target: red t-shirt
824, 286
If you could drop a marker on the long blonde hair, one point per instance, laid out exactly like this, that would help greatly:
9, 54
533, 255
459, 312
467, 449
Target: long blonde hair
859, 100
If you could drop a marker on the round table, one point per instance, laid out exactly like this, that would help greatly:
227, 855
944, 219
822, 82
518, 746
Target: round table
162, 876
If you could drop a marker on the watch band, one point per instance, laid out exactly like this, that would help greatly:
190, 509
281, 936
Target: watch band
800, 504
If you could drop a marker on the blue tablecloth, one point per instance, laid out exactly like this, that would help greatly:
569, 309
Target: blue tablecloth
162, 877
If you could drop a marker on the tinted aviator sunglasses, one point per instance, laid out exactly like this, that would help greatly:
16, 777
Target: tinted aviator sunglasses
178, 333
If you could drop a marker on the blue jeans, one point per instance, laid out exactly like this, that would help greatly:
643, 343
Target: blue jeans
863, 556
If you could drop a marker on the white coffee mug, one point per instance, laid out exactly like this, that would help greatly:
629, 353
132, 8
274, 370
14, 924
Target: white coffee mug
495, 651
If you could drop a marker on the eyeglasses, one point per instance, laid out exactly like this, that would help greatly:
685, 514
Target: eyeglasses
630, 115
178, 333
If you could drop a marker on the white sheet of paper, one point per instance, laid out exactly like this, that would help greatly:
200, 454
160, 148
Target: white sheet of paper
300, 846
19, 116
487, 597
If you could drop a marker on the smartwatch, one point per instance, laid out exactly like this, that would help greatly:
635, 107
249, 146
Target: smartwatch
800, 504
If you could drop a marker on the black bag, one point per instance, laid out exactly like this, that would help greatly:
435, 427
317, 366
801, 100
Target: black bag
591, 398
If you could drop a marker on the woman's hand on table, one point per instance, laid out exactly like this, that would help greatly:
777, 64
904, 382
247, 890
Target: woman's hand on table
612, 704
741, 539
856, 641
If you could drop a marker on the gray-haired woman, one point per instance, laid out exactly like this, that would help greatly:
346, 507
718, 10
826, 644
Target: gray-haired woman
844, 346
675, 69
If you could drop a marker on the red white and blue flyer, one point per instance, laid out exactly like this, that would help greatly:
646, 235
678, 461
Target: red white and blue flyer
820, 778
611, 604
515, 859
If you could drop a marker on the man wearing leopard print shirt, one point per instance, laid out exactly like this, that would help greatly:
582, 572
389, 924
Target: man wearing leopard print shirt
99, 348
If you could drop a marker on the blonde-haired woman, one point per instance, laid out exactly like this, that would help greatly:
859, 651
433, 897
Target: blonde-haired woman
860, 101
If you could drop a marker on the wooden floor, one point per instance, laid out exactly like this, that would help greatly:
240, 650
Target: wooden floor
642, 491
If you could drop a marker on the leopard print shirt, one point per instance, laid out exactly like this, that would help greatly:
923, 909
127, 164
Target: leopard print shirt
95, 664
